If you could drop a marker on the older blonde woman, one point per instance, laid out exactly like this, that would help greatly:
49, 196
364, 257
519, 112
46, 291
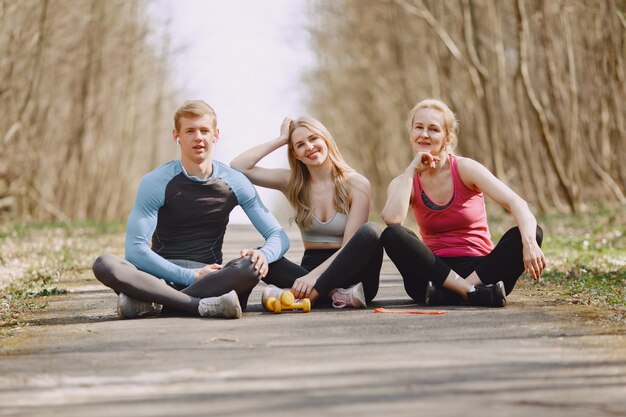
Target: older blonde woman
343, 256
456, 261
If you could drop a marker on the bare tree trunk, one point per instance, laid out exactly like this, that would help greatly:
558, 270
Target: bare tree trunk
34, 77
61, 62
564, 182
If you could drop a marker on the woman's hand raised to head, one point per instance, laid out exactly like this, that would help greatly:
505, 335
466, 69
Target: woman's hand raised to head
284, 129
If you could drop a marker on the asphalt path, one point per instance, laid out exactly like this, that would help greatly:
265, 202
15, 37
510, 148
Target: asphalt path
532, 358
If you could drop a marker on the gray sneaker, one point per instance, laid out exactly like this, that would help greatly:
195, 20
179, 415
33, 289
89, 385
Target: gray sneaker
129, 308
226, 306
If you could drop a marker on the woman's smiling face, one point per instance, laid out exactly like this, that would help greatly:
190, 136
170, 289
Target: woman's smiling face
308, 147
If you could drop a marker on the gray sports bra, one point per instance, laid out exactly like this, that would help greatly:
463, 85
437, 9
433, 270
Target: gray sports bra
330, 231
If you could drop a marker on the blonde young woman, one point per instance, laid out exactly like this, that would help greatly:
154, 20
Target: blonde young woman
455, 261
343, 256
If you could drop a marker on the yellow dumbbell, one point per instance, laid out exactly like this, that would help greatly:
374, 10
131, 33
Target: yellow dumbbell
272, 292
304, 305
287, 301
284, 299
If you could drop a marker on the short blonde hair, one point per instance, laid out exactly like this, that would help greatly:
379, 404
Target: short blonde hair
451, 124
192, 109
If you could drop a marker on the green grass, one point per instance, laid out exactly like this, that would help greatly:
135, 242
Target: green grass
87, 227
20, 297
37, 259
586, 256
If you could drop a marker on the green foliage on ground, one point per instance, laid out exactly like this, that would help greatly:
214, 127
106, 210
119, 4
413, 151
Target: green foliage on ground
38, 260
586, 256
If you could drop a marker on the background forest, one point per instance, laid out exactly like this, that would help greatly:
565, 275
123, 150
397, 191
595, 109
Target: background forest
83, 94
538, 86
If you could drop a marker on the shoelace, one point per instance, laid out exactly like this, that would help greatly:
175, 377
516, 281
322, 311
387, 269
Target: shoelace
212, 305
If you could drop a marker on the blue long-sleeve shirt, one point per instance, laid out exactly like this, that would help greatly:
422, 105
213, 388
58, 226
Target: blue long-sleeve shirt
185, 218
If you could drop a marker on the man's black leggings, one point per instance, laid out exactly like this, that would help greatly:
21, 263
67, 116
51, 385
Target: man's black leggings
358, 261
122, 276
418, 264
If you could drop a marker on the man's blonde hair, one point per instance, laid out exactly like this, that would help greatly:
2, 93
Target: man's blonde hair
192, 109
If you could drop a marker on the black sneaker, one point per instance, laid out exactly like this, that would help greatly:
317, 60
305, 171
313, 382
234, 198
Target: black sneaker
492, 295
439, 296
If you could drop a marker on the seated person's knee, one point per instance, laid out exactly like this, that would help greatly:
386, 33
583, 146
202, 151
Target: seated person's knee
103, 266
392, 231
246, 268
370, 231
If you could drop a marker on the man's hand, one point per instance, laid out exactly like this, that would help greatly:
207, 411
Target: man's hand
258, 259
200, 272
303, 286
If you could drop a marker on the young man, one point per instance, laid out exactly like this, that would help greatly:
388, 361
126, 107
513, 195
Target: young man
183, 207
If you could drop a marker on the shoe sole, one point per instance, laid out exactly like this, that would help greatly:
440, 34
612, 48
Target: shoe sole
359, 296
502, 290
234, 311
428, 297
234, 314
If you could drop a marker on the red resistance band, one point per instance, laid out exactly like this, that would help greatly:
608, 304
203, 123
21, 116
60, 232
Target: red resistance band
428, 312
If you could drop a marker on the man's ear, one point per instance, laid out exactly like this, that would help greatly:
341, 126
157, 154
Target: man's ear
175, 135
216, 136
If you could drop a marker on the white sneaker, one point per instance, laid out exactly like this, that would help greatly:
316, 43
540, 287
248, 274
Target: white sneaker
129, 308
226, 306
349, 297
271, 291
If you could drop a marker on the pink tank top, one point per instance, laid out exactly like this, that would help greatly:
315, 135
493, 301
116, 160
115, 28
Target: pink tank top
459, 227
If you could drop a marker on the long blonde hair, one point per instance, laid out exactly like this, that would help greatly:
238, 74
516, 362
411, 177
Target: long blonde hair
298, 188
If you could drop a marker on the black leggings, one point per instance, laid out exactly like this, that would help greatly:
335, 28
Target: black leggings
122, 276
418, 264
358, 261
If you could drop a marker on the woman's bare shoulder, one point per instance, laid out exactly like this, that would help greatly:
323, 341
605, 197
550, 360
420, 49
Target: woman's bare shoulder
358, 182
